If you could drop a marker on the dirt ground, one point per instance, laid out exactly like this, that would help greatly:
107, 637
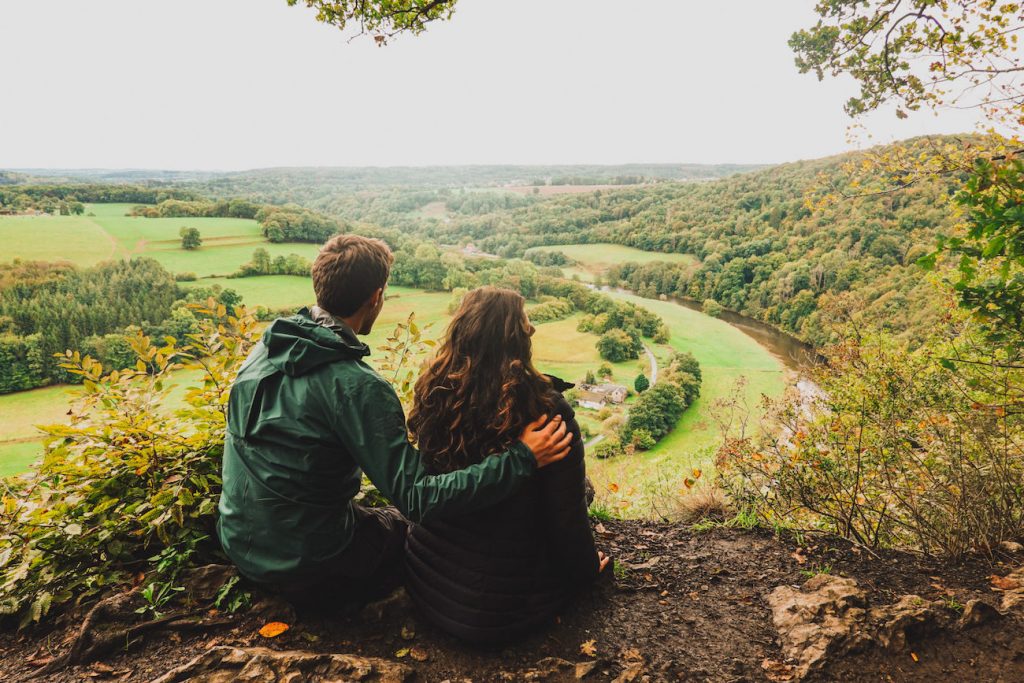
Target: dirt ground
681, 605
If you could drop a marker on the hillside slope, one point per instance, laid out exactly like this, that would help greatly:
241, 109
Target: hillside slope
763, 252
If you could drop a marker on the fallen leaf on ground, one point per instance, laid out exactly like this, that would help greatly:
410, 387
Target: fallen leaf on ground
419, 654
800, 559
273, 629
404, 652
1004, 583
408, 633
913, 656
589, 648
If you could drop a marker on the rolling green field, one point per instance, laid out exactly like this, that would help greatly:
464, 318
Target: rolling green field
595, 259
273, 291
105, 232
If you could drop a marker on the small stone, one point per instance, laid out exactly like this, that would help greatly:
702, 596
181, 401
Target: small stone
584, 668
911, 615
976, 613
1011, 546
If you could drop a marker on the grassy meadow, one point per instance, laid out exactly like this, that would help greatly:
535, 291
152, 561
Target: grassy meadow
594, 259
106, 232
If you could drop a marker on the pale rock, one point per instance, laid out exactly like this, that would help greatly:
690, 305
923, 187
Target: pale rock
976, 613
1011, 546
911, 615
822, 618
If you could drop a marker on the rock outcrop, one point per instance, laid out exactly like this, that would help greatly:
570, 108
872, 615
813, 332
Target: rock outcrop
829, 616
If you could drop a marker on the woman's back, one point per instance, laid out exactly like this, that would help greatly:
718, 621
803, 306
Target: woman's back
501, 572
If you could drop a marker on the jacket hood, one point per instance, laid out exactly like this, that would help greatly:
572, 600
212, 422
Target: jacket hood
303, 342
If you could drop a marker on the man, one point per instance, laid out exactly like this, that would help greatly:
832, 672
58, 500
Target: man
306, 415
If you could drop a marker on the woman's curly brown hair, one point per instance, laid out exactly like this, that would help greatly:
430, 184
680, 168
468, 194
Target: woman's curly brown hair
480, 390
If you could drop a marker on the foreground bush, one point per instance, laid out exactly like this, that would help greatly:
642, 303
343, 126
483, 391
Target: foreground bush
129, 487
920, 449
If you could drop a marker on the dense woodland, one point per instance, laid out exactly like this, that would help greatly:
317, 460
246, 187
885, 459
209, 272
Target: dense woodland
46, 309
763, 251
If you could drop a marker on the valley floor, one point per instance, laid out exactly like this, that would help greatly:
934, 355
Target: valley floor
681, 606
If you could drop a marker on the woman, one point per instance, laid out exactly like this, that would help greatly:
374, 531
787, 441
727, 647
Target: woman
500, 573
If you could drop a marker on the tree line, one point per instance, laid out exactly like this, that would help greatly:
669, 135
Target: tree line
278, 223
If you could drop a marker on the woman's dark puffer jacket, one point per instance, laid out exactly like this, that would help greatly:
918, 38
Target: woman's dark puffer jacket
505, 571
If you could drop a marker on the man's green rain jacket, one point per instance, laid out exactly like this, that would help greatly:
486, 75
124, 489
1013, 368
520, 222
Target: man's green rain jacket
305, 415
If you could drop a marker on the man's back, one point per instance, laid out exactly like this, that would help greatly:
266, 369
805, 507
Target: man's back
288, 478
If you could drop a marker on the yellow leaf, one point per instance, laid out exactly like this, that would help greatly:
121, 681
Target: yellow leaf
613, 487
589, 648
274, 629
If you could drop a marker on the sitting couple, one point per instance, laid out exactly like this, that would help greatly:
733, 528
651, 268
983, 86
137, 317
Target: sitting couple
489, 532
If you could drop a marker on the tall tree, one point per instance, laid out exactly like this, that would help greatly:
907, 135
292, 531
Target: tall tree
190, 238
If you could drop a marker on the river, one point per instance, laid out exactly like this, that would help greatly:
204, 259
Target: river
795, 354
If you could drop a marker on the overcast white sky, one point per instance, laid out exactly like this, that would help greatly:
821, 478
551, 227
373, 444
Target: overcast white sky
234, 84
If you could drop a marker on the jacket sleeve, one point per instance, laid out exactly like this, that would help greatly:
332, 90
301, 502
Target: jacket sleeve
563, 485
372, 428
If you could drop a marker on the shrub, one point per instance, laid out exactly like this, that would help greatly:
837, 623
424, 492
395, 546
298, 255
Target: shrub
641, 383
608, 448
642, 439
128, 481
712, 308
897, 450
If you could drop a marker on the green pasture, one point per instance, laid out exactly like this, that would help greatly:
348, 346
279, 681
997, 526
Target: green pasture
106, 232
78, 239
273, 291
594, 259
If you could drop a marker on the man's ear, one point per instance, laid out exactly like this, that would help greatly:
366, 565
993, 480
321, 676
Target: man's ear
378, 297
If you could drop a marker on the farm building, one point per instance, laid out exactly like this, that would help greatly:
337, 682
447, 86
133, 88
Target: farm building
597, 396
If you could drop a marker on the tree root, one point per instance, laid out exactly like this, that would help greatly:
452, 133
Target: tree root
87, 647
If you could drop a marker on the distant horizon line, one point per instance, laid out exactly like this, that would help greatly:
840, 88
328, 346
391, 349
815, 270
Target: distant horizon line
150, 169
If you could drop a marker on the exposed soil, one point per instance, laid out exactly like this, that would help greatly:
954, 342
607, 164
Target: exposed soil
681, 606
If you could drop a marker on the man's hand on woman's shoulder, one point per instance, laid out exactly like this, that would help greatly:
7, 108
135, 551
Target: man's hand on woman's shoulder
549, 441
